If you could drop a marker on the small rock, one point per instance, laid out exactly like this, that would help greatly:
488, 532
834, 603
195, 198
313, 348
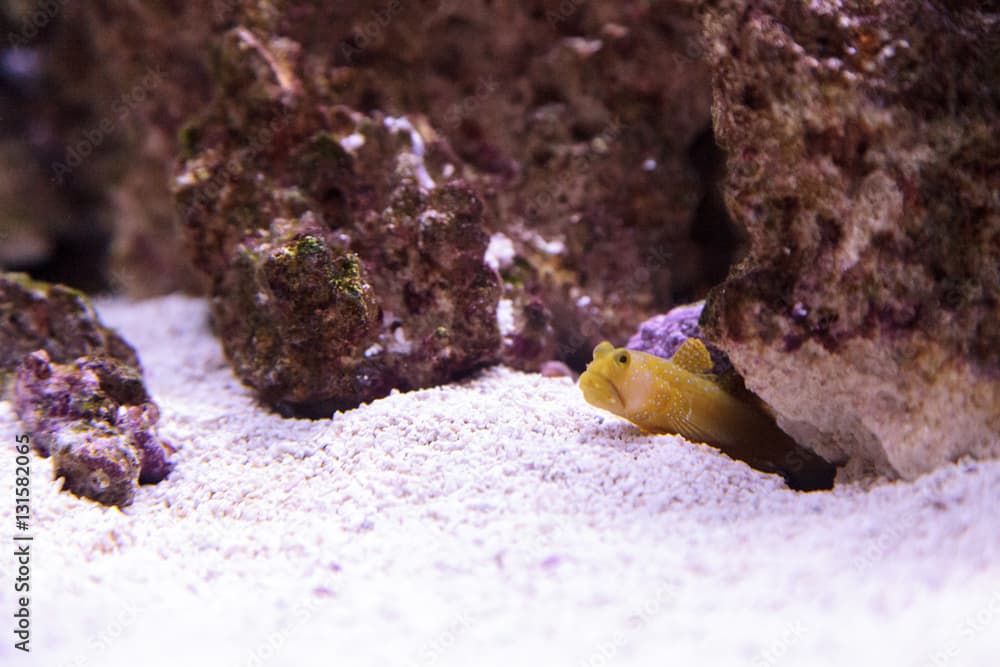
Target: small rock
95, 419
60, 320
557, 369
663, 334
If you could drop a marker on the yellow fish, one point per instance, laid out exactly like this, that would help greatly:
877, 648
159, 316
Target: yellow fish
680, 395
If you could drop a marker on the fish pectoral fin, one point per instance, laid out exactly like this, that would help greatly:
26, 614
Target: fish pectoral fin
678, 418
693, 432
693, 357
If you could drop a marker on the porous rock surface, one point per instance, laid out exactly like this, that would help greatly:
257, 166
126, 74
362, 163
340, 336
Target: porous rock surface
663, 334
862, 147
77, 387
397, 158
36, 315
344, 262
96, 421
583, 129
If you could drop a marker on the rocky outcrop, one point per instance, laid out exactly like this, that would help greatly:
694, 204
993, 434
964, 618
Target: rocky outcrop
41, 316
582, 129
570, 179
344, 261
862, 142
77, 387
94, 418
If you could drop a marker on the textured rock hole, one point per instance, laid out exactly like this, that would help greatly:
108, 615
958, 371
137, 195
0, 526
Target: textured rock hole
336, 209
448, 64
752, 99
370, 101
721, 240
830, 232
584, 130
99, 481
547, 95
542, 156
470, 130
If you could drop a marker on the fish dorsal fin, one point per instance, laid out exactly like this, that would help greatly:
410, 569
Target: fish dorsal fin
693, 357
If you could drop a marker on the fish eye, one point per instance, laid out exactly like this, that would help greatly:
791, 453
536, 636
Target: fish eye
623, 358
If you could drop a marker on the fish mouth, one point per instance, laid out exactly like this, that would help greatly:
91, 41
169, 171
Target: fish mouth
600, 391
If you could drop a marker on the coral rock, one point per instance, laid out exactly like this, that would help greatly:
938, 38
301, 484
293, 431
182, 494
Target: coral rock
583, 128
344, 261
95, 419
663, 334
60, 320
97, 462
862, 143
290, 311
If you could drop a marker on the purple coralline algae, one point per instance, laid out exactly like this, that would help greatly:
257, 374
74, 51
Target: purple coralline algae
60, 320
94, 418
77, 387
663, 334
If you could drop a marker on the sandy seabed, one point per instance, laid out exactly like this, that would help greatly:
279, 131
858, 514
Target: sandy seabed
496, 521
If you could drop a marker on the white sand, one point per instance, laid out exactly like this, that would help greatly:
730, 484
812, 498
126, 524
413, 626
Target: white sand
500, 521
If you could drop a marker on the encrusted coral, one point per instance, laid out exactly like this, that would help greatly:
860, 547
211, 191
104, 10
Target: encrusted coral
36, 315
78, 389
344, 260
96, 421
863, 142
582, 128
663, 334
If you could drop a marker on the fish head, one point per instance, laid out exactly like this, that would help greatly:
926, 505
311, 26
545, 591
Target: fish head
603, 380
